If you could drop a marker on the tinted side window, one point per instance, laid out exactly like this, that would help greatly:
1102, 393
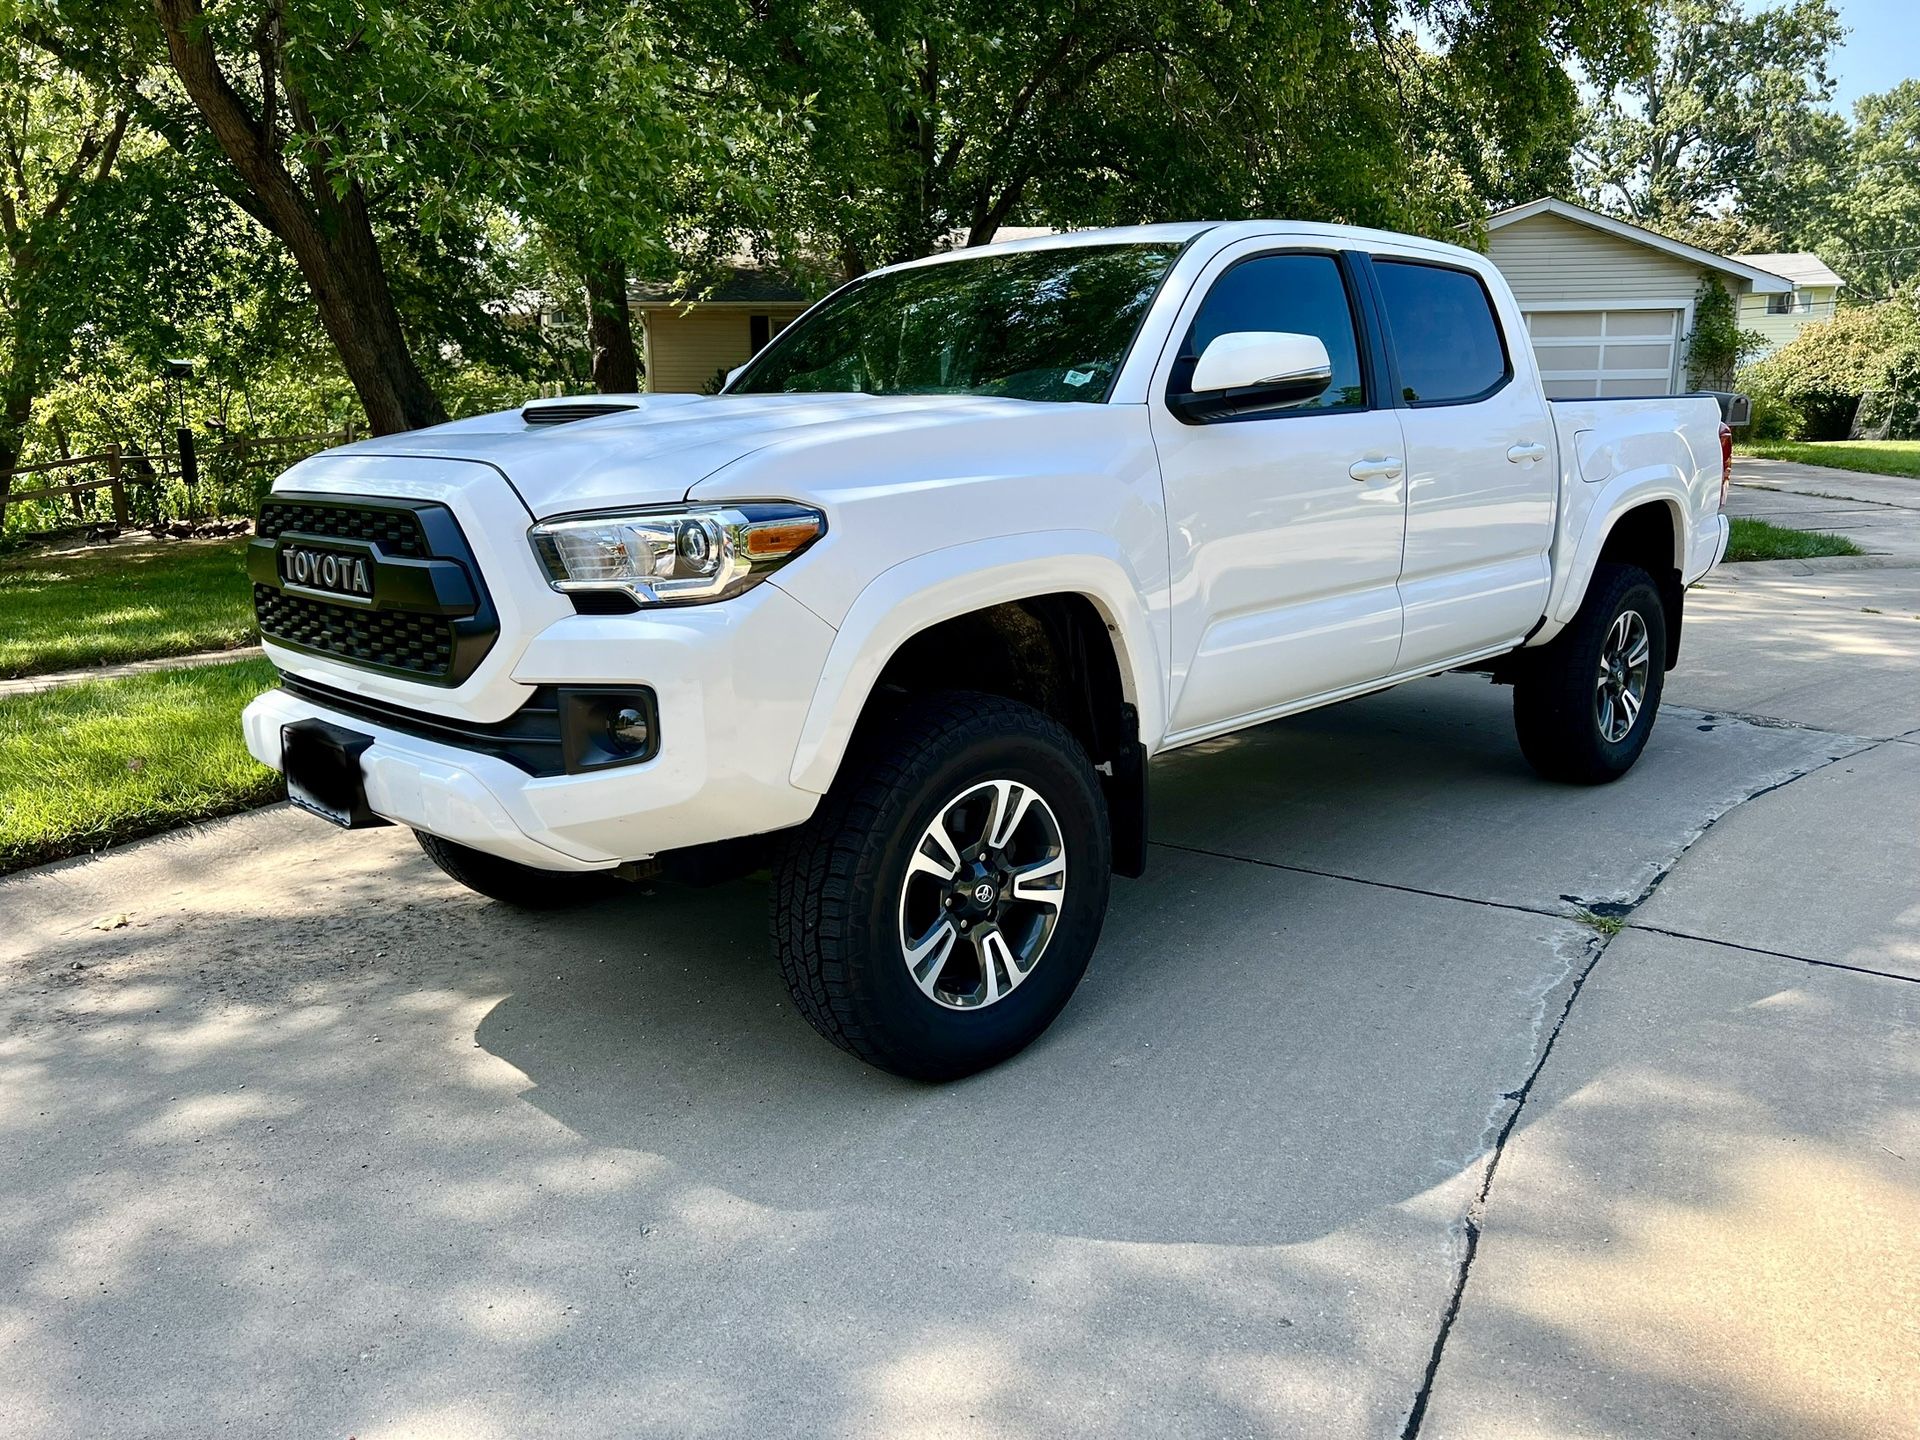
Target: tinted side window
1303, 294
1445, 337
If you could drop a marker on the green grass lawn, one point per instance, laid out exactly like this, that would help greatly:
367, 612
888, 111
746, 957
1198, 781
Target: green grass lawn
1875, 457
1759, 540
106, 760
122, 602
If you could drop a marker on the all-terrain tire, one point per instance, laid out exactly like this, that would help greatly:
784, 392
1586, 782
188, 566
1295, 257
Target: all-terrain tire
512, 883
1555, 706
839, 903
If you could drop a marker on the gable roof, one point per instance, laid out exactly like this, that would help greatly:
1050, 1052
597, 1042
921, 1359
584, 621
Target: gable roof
1802, 267
732, 285
1763, 281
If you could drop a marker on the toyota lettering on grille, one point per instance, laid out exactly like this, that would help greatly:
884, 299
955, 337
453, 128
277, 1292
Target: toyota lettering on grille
328, 571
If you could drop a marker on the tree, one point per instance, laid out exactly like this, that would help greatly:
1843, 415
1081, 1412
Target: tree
61, 139
917, 120
1721, 136
339, 127
1875, 232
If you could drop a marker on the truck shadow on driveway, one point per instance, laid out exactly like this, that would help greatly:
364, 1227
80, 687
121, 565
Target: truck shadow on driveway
1261, 1051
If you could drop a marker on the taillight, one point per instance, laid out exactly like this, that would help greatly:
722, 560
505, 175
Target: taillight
1726, 462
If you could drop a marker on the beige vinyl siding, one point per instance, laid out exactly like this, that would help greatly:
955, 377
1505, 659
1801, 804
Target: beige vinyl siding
686, 349
1812, 302
1547, 259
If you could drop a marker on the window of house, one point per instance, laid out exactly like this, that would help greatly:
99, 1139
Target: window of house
1780, 304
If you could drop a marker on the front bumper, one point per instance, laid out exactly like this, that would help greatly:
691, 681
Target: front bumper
733, 683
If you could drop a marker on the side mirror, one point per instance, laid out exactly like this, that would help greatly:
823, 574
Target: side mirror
734, 373
1255, 370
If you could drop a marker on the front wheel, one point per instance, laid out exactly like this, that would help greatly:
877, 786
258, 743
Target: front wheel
1585, 704
936, 913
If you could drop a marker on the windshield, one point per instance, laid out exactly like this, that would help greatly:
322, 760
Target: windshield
1051, 324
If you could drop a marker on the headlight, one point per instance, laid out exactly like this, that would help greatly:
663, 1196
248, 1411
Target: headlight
681, 556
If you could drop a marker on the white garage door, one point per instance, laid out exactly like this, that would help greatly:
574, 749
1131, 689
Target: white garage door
1588, 353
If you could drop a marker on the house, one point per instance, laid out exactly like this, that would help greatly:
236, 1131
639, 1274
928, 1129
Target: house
1816, 295
1609, 305
689, 339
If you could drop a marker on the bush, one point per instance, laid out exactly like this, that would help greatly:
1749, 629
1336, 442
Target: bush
1812, 388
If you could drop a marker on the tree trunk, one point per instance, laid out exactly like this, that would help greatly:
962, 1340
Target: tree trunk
16, 405
329, 235
616, 363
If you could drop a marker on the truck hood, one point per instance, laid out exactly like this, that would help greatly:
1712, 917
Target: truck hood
656, 451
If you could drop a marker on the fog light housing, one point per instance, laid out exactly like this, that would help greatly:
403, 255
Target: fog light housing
603, 728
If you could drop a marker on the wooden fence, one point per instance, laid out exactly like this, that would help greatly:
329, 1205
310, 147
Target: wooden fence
117, 471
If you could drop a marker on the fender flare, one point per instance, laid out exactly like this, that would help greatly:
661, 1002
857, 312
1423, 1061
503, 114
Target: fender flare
1626, 491
910, 597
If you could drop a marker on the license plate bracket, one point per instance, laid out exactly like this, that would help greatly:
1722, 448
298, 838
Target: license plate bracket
321, 761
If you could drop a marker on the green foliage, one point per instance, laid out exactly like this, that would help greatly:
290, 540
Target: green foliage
1811, 388
108, 760
901, 125
1725, 121
1717, 344
1873, 237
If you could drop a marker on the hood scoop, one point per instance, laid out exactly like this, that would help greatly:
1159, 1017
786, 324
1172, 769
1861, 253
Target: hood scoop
567, 411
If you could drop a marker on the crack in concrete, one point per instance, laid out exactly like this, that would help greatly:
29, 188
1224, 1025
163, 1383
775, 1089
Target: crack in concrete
1472, 1223
1476, 1208
1363, 880
1777, 954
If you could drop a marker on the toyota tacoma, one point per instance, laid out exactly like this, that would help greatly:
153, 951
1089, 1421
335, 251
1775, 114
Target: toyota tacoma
906, 611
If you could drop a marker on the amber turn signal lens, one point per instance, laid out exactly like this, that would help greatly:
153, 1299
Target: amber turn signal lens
767, 541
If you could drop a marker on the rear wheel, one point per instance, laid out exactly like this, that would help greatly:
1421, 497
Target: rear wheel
937, 912
512, 883
1585, 704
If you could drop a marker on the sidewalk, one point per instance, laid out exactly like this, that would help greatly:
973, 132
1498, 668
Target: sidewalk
35, 684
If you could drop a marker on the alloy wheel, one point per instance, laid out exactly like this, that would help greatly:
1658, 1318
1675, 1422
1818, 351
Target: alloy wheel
1621, 687
982, 894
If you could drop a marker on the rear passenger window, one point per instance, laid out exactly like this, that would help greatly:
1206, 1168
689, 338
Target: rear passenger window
1445, 338
1303, 294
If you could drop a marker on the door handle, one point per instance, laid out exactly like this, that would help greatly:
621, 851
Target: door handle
1532, 450
1380, 467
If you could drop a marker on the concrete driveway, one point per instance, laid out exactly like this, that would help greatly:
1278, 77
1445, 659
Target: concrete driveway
1359, 1125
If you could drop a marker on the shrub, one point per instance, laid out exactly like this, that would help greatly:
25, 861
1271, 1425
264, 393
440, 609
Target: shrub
1812, 387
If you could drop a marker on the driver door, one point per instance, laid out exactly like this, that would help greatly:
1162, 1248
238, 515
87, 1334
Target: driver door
1285, 526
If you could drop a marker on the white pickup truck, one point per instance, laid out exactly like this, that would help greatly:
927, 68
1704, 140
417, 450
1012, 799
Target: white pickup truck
917, 597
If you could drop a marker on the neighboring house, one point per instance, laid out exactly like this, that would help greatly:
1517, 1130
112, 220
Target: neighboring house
1608, 305
688, 339
1815, 296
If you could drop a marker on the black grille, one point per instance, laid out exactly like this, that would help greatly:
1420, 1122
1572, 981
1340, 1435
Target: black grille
429, 617
397, 532
393, 639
